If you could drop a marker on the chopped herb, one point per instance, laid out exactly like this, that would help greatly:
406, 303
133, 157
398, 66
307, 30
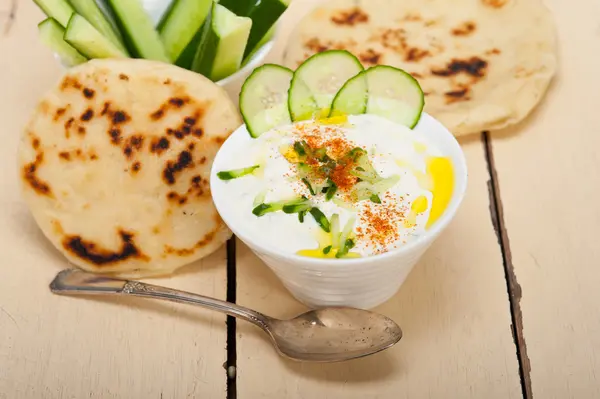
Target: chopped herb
310, 188
295, 206
330, 191
375, 198
301, 215
327, 249
348, 245
320, 219
235, 173
300, 147
263, 209
360, 169
324, 190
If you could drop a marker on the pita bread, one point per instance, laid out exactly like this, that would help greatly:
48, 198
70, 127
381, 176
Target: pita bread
115, 163
483, 64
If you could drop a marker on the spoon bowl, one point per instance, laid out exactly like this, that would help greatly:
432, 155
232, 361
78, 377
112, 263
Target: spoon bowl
322, 335
333, 334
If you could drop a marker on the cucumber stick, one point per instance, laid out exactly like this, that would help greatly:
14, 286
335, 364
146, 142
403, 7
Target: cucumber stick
60, 10
51, 34
88, 41
138, 30
89, 10
264, 99
222, 44
180, 24
263, 14
317, 81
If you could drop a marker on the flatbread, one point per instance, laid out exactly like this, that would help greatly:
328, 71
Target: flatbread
115, 163
483, 64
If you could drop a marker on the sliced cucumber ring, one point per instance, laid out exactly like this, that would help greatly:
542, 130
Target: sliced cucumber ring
394, 94
317, 81
264, 99
352, 98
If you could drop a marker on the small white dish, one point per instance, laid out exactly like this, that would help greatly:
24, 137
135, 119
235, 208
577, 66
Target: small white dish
360, 283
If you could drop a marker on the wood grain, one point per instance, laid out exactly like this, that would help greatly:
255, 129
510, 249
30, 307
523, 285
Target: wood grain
62, 347
548, 178
453, 309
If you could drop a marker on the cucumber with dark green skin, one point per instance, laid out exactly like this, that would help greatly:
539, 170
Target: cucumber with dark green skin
60, 10
238, 7
180, 24
264, 15
140, 37
224, 37
186, 57
51, 34
89, 10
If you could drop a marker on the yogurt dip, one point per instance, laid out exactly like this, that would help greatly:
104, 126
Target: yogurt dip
343, 187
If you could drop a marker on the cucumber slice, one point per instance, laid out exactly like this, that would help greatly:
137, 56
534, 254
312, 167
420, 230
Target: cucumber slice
138, 30
89, 10
263, 99
88, 41
60, 10
323, 75
301, 103
394, 94
352, 98
222, 45
51, 34
264, 14
180, 24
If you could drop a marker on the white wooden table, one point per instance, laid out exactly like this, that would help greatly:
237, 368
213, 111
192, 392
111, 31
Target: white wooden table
505, 305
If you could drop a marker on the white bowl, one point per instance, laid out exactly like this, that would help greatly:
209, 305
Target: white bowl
363, 282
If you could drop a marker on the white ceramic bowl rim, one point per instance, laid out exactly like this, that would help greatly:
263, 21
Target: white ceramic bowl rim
457, 196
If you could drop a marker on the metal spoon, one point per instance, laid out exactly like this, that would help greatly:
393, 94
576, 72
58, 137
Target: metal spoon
322, 335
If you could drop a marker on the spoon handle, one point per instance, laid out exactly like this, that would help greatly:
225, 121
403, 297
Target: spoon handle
78, 282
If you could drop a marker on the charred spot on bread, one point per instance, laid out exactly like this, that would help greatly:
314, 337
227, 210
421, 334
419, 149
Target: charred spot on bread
35, 143
115, 136
464, 29
370, 56
159, 145
59, 113
94, 253
184, 160
70, 82
30, 176
350, 17
88, 93
119, 117
87, 115
122, 76
473, 66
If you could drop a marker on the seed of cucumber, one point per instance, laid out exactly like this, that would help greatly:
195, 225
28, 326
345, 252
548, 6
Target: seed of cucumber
180, 24
263, 99
222, 44
317, 81
142, 40
88, 41
352, 98
90, 10
264, 14
235, 173
51, 34
394, 94
60, 10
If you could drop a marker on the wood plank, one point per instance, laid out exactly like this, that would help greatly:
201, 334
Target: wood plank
547, 170
453, 309
59, 347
